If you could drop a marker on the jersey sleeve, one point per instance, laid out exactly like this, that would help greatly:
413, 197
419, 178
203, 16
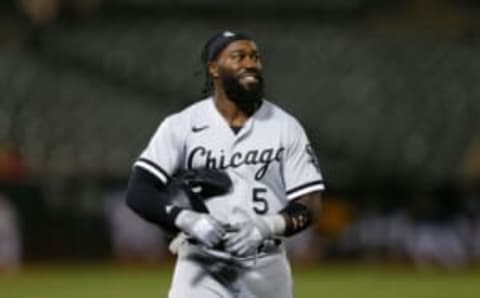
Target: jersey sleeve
163, 154
301, 169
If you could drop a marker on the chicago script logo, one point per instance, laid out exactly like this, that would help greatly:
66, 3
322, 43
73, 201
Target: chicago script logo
209, 159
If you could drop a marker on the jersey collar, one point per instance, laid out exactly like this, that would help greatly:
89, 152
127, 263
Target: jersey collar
247, 128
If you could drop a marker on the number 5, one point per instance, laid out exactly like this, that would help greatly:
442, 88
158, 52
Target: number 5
261, 204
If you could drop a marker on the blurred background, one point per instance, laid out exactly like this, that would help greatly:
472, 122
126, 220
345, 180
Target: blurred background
387, 90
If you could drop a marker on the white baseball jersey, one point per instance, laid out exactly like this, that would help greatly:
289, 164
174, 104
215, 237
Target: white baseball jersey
270, 160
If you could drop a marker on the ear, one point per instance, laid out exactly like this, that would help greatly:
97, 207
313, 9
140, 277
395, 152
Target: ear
213, 69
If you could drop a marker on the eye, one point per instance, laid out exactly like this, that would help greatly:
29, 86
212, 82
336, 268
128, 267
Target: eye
237, 56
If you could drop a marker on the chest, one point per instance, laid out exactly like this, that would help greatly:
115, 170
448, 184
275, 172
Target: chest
255, 152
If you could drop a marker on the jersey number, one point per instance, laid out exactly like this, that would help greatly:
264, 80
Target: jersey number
260, 203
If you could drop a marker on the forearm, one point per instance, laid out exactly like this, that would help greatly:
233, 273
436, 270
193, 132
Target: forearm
148, 197
300, 213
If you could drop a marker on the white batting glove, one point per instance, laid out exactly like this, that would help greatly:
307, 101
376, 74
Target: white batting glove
252, 232
200, 226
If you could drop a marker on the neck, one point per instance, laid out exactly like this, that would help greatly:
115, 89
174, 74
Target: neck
231, 112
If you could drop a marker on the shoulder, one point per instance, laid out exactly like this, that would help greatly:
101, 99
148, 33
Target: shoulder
185, 117
283, 118
196, 108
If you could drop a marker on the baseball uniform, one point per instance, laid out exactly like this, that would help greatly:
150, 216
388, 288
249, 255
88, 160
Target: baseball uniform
269, 161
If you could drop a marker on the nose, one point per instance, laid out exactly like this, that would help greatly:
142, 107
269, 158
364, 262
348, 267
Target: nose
251, 63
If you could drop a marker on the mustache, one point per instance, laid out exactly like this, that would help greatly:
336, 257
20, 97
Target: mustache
251, 71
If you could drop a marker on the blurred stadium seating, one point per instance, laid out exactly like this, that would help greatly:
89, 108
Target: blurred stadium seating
343, 82
390, 99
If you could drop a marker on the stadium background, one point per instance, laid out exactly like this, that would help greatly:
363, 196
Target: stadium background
388, 91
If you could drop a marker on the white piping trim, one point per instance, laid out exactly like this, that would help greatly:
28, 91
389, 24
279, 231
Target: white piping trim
152, 170
300, 192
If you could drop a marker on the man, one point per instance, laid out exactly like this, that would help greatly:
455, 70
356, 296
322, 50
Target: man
235, 250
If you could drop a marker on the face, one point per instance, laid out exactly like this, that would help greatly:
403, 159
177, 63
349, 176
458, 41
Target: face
239, 71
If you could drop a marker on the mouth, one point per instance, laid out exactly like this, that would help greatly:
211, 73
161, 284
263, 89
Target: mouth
249, 77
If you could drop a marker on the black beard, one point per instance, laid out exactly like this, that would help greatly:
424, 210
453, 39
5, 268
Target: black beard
247, 99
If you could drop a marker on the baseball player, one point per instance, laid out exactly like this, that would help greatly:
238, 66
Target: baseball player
235, 249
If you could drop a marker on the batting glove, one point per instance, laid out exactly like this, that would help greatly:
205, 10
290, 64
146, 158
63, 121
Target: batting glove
252, 232
201, 226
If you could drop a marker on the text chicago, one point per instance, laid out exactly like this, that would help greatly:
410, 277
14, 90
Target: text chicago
200, 155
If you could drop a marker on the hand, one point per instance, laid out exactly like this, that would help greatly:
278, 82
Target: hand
245, 240
250, 233
200, 226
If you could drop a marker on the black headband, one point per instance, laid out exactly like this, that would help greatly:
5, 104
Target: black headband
218, 42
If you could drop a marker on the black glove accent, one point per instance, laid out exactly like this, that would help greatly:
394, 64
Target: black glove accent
298, 216
198, 185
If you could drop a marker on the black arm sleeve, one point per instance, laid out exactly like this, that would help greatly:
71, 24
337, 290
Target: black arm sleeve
148, 197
